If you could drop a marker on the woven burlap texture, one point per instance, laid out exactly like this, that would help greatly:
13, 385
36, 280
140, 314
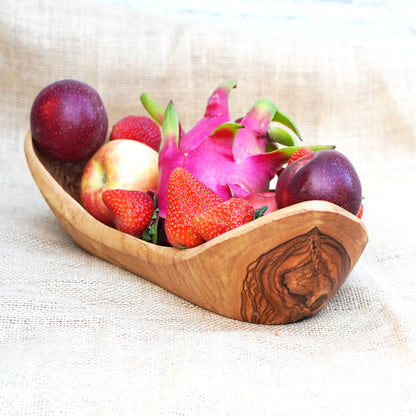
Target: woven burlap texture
79, 336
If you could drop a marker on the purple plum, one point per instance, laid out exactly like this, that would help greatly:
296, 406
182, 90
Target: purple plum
322, 175
68, 121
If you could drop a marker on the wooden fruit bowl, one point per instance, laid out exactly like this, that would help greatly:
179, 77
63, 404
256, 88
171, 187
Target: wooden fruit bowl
280, 268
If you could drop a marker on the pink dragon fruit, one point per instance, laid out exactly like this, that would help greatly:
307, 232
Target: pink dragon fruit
233, 159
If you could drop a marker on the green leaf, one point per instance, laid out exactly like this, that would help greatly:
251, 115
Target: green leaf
259, 212
284, 119
151, 234
170, 127
155, 111
279, 135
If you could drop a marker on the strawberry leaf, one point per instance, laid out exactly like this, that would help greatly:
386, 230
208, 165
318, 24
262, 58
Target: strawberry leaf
259, 212
151, 233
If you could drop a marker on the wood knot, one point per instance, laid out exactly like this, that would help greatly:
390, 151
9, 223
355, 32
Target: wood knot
294, 280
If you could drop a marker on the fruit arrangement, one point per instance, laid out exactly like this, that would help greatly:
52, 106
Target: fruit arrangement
157, 182
145, 196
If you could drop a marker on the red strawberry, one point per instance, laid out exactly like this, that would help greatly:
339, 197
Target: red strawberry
187, 197
131, 211
360, 214
140, 128
303, 151
223, 217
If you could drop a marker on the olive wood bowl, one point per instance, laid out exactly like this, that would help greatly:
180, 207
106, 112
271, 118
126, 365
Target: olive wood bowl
278, 269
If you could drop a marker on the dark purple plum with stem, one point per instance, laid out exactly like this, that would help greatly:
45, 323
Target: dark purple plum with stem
68, 121
322, 175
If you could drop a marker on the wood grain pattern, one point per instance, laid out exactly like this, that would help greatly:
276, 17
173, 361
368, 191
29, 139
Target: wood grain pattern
294, 280
281, 268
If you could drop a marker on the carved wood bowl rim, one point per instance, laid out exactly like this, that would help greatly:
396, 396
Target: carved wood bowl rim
222, 275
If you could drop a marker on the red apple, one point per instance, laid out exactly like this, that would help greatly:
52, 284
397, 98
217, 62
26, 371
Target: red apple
118, 164
322, 175
260, 199
68, 121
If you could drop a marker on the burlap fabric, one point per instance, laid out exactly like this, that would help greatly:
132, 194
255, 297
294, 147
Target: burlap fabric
79, 336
